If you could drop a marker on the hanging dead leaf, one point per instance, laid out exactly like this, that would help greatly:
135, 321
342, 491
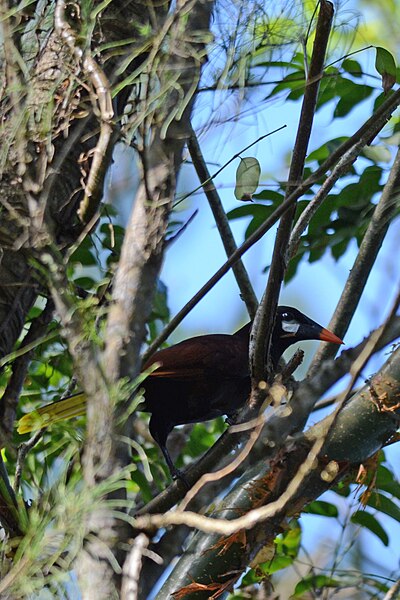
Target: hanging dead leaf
247, 178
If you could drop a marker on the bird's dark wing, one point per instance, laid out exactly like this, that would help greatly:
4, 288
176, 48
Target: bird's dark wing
217, 354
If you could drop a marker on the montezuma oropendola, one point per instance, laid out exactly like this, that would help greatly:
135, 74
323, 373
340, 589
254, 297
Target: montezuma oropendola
198, 379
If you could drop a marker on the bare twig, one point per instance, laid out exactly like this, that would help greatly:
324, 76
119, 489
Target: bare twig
264, 321
393, 592
228, 469
22, 452
172, 238
364, 262
242, 278
250, 519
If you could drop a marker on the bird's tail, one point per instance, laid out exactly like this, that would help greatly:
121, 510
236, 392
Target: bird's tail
73, 406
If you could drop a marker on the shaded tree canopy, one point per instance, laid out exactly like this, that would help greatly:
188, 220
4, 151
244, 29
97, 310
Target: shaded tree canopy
87, 505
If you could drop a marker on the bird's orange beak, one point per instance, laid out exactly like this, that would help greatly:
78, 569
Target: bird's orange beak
328, 336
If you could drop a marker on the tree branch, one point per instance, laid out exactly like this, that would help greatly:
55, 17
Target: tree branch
265, 317
242, 278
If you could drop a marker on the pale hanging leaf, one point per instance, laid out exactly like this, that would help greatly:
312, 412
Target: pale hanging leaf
378, 153
392, 140
386, 67
247, 178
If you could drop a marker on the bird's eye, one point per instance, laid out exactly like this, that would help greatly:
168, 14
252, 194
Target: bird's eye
288, 316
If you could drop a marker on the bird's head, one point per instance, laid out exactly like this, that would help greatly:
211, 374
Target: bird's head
292, 326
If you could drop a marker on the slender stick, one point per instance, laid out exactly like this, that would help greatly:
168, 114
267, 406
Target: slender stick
225, 232
265, 316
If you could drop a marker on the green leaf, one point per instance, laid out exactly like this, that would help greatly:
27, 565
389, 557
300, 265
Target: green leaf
351, 94
86, 283
294, 263
140, 480
379, 100
365, 519
294, 82
259, 212
315, 582
322, 153
200, 440
247, 178
353, 67
245, 211
276, 564
386, 67
319, 507
274, 197
288, 543
84, 253
385, 505
385, 481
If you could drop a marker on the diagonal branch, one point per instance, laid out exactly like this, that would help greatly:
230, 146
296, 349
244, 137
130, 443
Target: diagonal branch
265, 317
242, 278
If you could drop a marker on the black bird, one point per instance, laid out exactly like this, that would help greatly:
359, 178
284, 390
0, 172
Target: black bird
196, 380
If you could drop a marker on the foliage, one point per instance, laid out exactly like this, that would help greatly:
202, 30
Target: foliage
54, 502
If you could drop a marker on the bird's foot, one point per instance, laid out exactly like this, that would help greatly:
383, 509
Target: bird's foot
178, 475
231, 419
